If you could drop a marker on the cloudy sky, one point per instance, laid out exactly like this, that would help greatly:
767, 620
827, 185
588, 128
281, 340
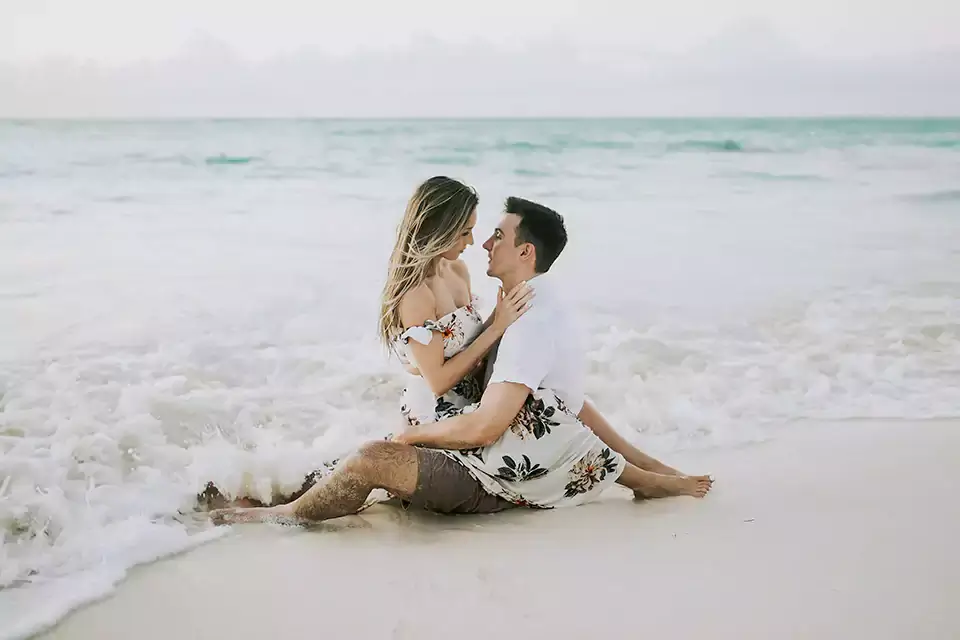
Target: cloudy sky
489, 57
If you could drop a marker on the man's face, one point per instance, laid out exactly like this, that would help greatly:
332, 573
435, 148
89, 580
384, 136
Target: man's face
502, 250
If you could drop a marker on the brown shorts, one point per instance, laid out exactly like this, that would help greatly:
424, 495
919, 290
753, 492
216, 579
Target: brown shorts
445, 486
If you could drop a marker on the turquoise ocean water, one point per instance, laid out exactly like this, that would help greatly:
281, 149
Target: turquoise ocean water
185, 301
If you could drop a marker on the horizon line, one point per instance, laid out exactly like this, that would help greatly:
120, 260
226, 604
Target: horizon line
211, 118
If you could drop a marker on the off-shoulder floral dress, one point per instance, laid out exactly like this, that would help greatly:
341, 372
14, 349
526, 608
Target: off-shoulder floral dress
457, 329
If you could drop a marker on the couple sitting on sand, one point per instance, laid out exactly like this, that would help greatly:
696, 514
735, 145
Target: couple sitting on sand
495, 411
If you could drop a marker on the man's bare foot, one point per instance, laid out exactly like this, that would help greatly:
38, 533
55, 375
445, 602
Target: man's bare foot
211, 499
282, 514
696, 486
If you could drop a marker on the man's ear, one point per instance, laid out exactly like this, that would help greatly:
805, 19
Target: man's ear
529, 252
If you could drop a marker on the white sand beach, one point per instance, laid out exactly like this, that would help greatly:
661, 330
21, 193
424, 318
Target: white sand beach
830, 530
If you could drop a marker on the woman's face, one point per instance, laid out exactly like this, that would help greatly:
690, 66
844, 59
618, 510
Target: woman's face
465, 240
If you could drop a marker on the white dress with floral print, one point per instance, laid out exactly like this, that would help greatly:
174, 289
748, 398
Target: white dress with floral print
547, 458
458, 329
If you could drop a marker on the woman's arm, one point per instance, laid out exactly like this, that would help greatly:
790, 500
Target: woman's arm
419, 306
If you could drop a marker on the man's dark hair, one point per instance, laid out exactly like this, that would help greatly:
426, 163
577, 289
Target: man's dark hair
540, 226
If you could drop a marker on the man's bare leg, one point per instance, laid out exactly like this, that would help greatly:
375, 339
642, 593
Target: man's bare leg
646, 484
594, 420
384, 465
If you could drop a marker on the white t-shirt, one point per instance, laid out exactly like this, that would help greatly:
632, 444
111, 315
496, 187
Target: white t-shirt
544, 347
546, 457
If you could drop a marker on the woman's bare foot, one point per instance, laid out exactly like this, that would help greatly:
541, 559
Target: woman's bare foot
696, 486
281, 514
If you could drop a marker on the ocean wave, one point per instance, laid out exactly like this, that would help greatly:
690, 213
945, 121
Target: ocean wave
781, 177
141, 157
864, 355
449, 161
934, 197
373, 132
723, 146
532, 173
952, 143
224, 159
604, 144
149, 158
524, 145
102, 449
560, 145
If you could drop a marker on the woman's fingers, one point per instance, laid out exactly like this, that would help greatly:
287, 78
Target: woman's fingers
524, 299
517, 289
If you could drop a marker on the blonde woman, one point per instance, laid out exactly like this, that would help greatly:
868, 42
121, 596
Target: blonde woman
428, 316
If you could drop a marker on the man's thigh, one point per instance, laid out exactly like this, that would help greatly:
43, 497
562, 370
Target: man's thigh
389, 465
445, 486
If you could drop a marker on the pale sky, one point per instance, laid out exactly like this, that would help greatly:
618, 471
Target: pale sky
124, 30
119, 58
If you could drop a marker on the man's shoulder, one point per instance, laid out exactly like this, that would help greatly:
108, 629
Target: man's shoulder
550, 291
534, 324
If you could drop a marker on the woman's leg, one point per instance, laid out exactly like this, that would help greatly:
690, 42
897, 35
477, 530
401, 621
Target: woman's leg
647, 484
594, 420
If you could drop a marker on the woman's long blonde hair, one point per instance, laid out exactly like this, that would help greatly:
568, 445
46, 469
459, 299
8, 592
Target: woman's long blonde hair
437, 214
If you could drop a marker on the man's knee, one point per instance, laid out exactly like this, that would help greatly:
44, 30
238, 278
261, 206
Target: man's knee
387, 465
373, 459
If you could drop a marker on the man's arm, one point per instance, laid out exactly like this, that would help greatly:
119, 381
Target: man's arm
500, 404
594, 420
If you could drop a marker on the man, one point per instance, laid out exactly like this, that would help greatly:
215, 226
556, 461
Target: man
525, 443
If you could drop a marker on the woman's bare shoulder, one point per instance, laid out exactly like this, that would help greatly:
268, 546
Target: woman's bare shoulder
417, 305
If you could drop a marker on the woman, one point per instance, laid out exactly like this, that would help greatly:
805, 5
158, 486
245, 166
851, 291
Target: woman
427, 316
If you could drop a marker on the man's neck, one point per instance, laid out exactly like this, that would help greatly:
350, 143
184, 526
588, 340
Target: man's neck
510, 281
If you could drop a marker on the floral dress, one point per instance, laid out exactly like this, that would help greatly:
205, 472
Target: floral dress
458, 329
547, 458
